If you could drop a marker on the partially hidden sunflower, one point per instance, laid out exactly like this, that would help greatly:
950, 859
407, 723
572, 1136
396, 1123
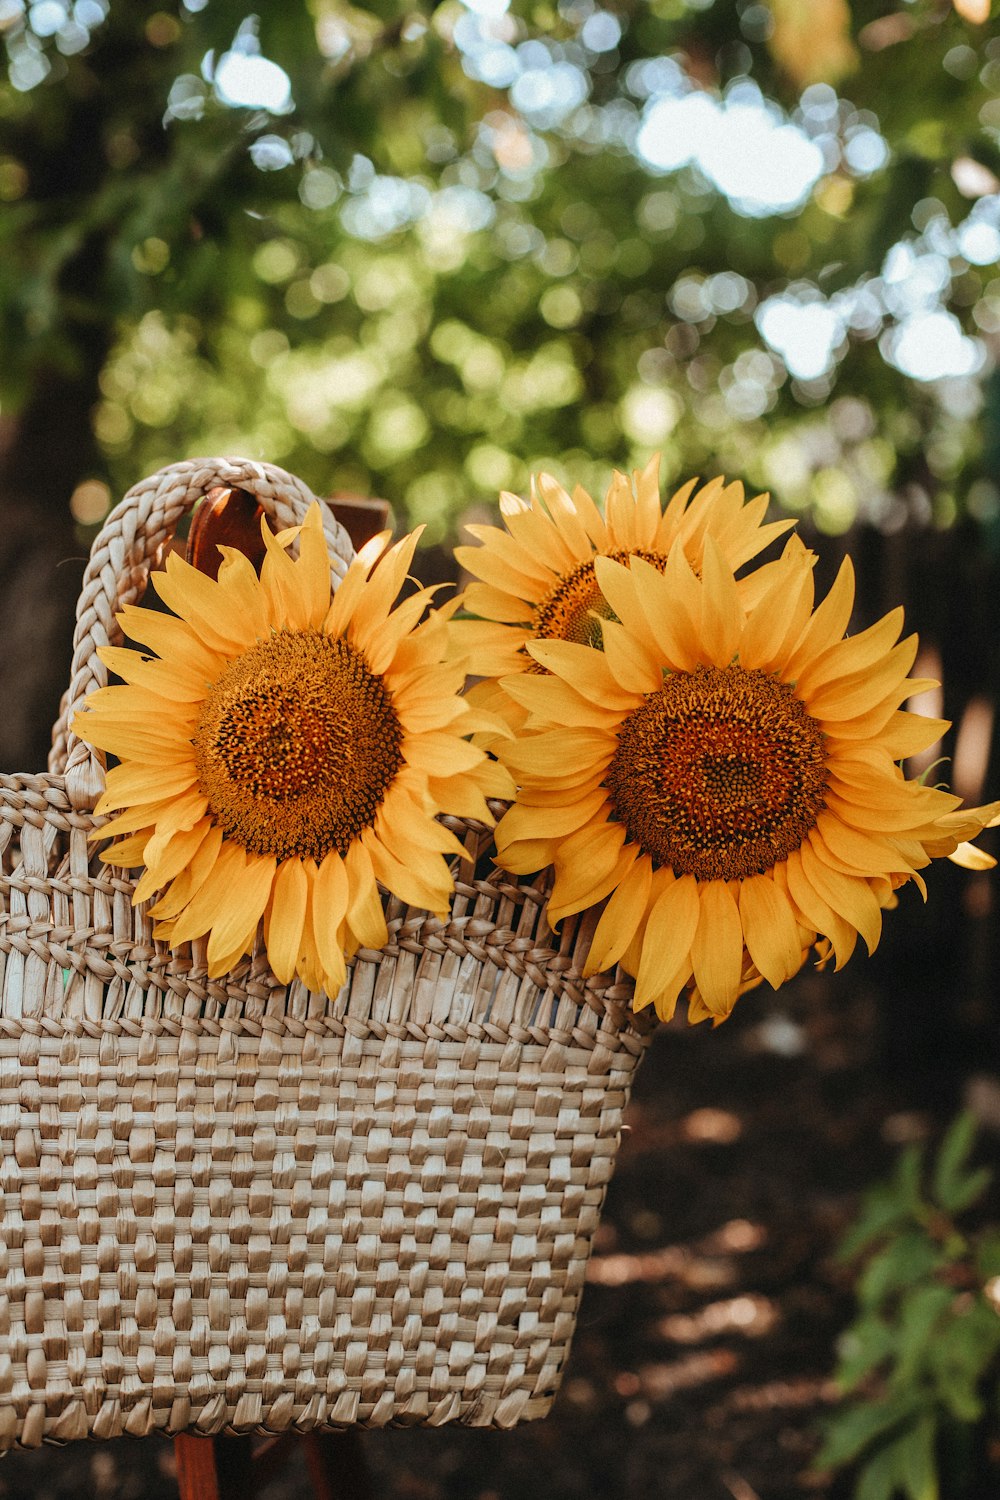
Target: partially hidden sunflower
725, 772
536, 580
285, 751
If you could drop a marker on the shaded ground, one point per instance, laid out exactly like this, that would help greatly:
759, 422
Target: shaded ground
702, 1357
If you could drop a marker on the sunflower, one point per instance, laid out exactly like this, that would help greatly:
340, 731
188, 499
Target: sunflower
725, 774
537, 579
285, 751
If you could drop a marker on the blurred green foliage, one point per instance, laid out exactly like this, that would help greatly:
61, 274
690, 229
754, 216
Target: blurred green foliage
920, 1366
450, 255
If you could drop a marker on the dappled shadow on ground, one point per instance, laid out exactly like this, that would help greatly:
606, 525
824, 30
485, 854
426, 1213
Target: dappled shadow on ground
701, 1364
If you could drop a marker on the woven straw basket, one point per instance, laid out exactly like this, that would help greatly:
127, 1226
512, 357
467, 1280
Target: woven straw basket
230, 1204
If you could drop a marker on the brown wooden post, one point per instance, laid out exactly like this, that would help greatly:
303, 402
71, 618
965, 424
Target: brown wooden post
219, 1468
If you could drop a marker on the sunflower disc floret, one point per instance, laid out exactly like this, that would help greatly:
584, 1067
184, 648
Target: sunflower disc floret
720, 774
297, 746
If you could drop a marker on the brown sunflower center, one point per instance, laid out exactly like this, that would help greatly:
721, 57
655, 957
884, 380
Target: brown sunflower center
297, 746
573, 609
719, 775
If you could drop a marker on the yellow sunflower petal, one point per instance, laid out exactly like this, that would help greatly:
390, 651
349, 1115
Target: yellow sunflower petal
409, 828
856, 851
139, 817
492, 603
848, 895
665, 965
907, 733
428, 888
871, 724
722, 618
372, 609
576, 517
313, 569
464, 798
551, 699
558, 753
574, 662
512, 567
161, 745
284, 918
247, 899
381, 645
238, 577
527, 856
698, 1011
139, 783
630, 660
552, 821
353, 585
669, 620
280, 581
204, 604
180, 648
818, 912
777, 619
589, 866
717, 948
365, 917
126, 704
856, 653
310, 969
486, 649
748, 534
972, 858
175, 681
190, 880
851, 697
127, 852
223, 963
869, 815
492, 779
166, 855
674, 510
623, 518
208, 903
439, 754
539, 535
646, 487
621, 919
770, 930
330, 900
558, 791
827, 623
714, 499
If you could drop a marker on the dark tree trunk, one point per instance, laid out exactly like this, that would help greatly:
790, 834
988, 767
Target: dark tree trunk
47, 443
44, 451
46, 448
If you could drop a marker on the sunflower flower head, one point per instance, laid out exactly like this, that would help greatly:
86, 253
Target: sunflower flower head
285, 750
725, 775
536, 579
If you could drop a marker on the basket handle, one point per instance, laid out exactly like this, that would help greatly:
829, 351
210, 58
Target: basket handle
131, 542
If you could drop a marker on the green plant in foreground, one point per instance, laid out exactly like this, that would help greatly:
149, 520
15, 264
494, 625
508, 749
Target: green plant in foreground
919, 1367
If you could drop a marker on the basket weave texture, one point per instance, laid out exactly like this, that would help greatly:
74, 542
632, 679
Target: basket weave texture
233, 1204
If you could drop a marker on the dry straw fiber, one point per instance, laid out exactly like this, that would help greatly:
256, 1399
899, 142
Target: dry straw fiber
230, 1204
